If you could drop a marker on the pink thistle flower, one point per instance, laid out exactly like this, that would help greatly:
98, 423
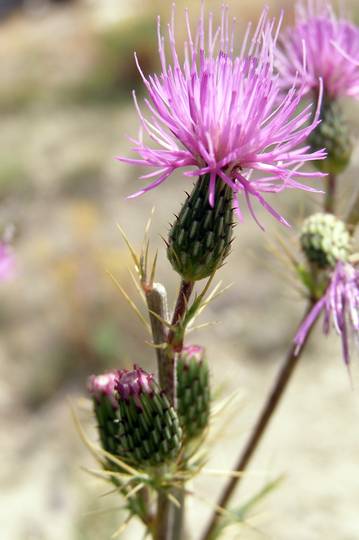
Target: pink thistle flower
340, 304
329, 47
7, 263
134, 383
222, 114
104, 386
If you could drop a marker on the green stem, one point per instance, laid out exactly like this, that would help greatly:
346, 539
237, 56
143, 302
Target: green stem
270, 406
175, 340
330, 195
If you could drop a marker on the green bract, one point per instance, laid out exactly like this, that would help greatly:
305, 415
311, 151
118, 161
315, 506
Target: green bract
325, 240
200, 239
193, 391
137, 423
333, 135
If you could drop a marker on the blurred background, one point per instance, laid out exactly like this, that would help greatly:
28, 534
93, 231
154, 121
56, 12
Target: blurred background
65, 102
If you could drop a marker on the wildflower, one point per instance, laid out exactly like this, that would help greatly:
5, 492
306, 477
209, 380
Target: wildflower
222, 115
135, 419
325, 240
330, 47
104, 385
193, 391
340, 305
7, 262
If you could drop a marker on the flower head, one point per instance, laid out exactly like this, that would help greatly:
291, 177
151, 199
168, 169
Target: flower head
104, 386
330, 47
222, 114
193, 390
7, 262
134, 383
340, 305
325, 240
135, 419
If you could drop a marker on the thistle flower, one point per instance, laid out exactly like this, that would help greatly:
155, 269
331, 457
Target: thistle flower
222, 115
7, 263
193, 390
340, 305
325, 240
330, 47
135, 419
104, 385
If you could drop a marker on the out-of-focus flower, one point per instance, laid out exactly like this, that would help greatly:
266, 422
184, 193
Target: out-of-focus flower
329, 47
221, 114
7, 262
340, 305
325, 240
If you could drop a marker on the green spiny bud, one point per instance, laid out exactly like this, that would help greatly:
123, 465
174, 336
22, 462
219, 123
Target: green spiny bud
102, 389
193, 391
325, 240
136, 421
334, 135
200, 239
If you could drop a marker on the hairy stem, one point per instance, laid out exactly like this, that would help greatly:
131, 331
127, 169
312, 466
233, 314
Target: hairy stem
175, 339
184, 294
277, 391
156, 298
164, 515
330, 194
169, 518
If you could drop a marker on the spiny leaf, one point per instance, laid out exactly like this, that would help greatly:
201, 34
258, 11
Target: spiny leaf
123, 527
133, 491
129, 301
91, 447
138, 287
153, 269
130, 248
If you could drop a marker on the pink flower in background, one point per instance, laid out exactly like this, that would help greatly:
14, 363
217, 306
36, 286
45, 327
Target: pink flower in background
222, 114
104, 385
329, 47
7, 262
340, 305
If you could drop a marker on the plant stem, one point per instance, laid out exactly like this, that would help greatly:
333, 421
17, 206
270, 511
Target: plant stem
329, 201
262, 423
156, 298
164, 514
175, 339
169, 519
184, 294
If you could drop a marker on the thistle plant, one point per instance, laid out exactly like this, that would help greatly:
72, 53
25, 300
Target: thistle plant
321, 52
244, 118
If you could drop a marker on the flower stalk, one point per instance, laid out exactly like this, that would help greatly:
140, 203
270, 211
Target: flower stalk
169, 518
285, 373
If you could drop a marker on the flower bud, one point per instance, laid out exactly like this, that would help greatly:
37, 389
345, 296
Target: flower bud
325, 240
200, 239
142, 428
193, 391
102, 389
332, 134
